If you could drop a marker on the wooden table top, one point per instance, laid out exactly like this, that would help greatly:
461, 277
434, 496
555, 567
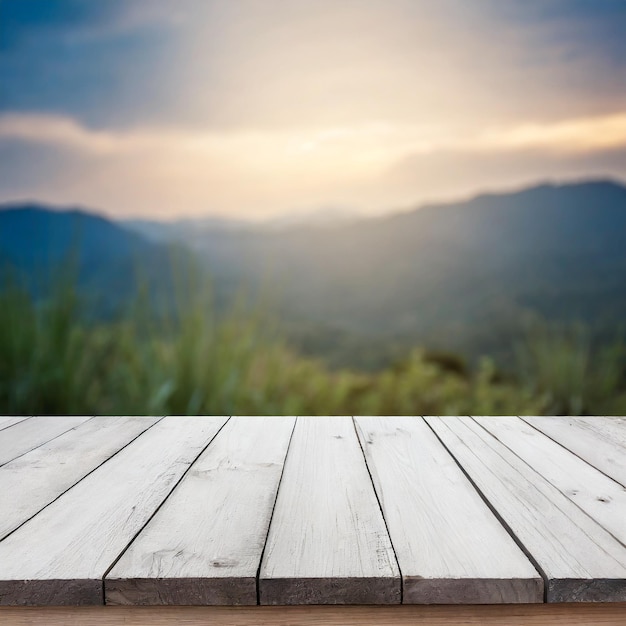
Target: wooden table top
312, 510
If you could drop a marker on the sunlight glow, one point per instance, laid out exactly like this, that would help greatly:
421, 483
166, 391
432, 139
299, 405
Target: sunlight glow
273, 168
253, 108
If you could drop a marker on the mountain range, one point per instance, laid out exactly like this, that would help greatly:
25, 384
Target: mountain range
460, 276
42, 247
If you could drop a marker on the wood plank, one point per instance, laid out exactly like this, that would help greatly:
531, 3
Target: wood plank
407, 615
33, 480
61, 555
613, 429
599, 496
596, 447
327, 542
204, 546
443, 533
580, 560
9, 420
31, 433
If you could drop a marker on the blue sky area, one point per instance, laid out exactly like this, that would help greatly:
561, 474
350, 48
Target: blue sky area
248, 109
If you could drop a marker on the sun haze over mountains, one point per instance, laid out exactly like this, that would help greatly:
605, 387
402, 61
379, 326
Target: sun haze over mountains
242, 109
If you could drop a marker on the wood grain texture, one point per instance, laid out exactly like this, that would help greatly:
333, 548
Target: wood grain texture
33, 480
61, 555
599, 496
589, 440
204, 546
327, 542
9, 420
443, 534
28, 434
407, 615
612, 429
580, 560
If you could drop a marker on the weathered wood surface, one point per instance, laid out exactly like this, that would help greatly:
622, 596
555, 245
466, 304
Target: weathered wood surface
240, 510
327, 542
444, 535
579, 559
28, 434
407, 615
602, 444
8, 420
61, 555
596, 494
204, 546
611, 429
32, 481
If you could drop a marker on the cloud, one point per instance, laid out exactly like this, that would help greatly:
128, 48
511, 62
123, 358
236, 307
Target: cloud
379, 140
56, 130
170, 171
576, 135
284, 63
25, 22
253, 107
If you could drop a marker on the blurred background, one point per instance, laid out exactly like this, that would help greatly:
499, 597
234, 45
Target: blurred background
293, 207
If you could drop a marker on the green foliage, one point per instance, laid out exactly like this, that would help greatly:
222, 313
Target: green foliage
53, 361
562, 364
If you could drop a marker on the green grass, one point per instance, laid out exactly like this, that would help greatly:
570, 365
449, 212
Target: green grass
52, 361
561, 364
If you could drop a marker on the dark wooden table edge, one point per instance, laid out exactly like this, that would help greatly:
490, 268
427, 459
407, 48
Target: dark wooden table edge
571, 614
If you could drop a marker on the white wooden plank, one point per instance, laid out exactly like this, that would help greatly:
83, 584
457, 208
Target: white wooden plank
579, 559
204, 546
31, 433
596, 447
33, 480
61, 555
327, 542
9, 420
611, 429
599, 496
443, 533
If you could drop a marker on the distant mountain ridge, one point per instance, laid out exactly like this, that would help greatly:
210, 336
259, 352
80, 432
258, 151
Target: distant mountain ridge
457, 276
188, 229
39, 244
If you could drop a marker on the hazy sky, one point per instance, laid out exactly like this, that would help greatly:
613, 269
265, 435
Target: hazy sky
251, 108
